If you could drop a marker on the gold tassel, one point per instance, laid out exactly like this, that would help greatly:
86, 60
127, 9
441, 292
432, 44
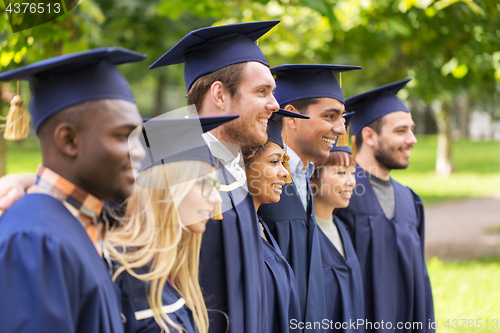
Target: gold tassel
343, 140
354, 149
217, 212
18, 120
288, 178
286, 157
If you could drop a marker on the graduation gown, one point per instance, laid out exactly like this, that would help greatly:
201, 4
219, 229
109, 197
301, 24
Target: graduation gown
343, 282
51, 277
297, 235
282, 295
391, 256
139, 316
231, 265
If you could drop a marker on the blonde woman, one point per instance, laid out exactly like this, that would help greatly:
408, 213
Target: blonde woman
157, 241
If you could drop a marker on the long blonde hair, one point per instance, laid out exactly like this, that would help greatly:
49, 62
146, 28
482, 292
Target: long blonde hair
150, 234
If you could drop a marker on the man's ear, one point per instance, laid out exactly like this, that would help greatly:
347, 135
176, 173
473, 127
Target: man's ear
67, 139
369, 136
291, 123
217, 94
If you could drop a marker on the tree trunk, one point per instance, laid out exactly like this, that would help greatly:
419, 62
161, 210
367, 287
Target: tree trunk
430, 126
463, 108
159, 96
444, 163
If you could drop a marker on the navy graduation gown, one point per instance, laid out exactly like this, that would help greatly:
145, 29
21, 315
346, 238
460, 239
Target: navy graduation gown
281, 287
51, 277
391, 256
231, 265
134, 301
297, 235
343, 283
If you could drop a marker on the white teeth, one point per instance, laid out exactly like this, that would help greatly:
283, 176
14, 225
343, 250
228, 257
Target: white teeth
330, 141
277, 186
264, 121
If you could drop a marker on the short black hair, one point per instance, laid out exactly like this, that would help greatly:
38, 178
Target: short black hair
301, 105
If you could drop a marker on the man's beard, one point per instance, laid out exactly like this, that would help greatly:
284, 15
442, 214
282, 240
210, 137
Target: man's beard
384, 157
239, 133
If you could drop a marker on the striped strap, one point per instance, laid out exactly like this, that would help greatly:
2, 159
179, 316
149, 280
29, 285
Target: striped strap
144, 314
230, 187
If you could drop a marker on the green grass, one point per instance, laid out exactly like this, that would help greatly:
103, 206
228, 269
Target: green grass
476, 171
23, 156
466, 290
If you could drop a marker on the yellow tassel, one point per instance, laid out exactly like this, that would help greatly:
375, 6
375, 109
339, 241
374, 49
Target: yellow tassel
286, 164
18, 121
354, 149
217, 212
343, 140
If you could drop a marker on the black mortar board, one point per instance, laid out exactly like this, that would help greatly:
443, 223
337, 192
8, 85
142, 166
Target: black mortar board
209, 49
300, 81
70, 79
375, 103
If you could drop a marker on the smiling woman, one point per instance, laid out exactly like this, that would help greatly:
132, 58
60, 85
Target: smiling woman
265, 172
266, 175
164, 227
156, 244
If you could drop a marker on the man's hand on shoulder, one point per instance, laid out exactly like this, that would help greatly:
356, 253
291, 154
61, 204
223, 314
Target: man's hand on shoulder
13, 187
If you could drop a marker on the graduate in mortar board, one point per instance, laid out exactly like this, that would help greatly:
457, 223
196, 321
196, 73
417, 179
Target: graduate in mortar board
226, 73
157, 242
311, 90
267, 172
53, 277
332, 184
385, 218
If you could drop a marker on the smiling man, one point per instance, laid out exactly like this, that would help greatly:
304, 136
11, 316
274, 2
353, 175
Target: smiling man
53, 277
386, 219
226, 73
311, 90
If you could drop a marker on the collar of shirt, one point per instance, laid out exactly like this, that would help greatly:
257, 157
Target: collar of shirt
296, 164
232, 163
82, 205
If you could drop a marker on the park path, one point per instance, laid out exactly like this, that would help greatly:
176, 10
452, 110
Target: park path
462, 229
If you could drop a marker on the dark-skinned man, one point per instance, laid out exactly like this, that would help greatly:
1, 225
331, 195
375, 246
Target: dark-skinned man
53, 277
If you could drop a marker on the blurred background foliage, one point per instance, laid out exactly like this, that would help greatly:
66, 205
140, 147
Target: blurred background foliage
449, 47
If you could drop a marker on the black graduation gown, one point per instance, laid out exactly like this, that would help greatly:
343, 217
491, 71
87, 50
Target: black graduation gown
343, 283
231, 265
134, 301
51, 277
297, 235
391, 256
281, 287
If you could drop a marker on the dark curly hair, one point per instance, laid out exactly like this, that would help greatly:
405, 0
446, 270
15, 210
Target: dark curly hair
250, 153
